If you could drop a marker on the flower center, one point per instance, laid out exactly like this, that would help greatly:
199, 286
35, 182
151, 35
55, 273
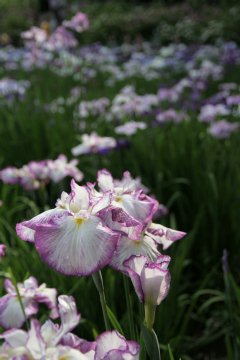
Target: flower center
79, 221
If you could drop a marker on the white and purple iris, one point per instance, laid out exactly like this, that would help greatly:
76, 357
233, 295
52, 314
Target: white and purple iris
36, 174
90, 229
52, 341
11, 312
94, 143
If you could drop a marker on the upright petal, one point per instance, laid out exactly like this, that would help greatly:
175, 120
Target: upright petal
105, 180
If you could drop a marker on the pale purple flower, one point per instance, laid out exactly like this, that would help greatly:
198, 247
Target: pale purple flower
58, 169
94, 143
11, 314
233, 100
9, 175
151, 280
44, 342
130, 128
72, 237
2, 251
222, 129
34, 35
78, 22
209, 112
37, 173
61, 39
170, 115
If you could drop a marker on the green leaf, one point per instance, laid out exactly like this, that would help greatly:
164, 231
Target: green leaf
171, 357
114, 321
151, 343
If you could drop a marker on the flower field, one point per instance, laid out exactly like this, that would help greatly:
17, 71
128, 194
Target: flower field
120, 193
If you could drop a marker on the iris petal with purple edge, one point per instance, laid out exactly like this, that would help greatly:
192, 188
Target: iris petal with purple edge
112, 345
163, 235
75, 246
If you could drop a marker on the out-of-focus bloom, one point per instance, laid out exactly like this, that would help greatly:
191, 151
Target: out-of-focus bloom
51, 341
44, 342
92, 107
61, 39
78, 22
170, 115
94, 143
233, 100
210, 112
38, 173
11, 314
151, 281
9, 175
60, 168
111, 345
222, 129
72, 237
34, 35
2, 251
13, 89
130, 128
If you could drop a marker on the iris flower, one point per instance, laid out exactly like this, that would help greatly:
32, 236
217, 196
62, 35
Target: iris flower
11, 313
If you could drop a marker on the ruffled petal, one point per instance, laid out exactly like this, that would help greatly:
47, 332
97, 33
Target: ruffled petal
163, 235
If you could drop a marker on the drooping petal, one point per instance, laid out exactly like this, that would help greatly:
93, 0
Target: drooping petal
74, 246
163, 235
108, 341
75, 342
127, 247
26, 229
14, 337
11, 314
112, 345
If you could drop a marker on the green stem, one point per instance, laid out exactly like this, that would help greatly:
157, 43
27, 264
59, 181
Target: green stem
129, 308
151, 343
149, 315
12, 277
98, 281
